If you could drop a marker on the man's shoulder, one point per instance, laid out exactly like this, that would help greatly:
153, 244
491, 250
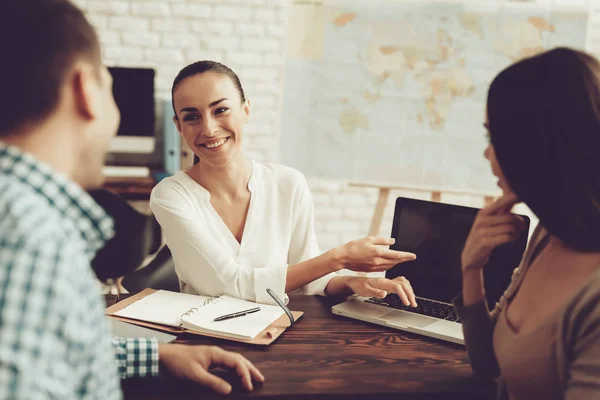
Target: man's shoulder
26, 216
36, 250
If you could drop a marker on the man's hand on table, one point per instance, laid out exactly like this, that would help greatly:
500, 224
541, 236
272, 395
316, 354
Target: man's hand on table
193, 362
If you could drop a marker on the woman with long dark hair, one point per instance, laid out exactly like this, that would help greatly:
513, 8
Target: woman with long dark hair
543, 337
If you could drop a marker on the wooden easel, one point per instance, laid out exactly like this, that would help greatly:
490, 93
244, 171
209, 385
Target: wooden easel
384, 192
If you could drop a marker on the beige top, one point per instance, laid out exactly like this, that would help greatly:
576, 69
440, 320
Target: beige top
560, 360
527, 362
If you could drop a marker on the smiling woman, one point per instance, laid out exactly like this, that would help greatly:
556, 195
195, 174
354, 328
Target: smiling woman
239, 227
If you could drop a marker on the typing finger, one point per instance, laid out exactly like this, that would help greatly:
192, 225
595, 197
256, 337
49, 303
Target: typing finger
402, 294
407, 289
392, 286
373, 291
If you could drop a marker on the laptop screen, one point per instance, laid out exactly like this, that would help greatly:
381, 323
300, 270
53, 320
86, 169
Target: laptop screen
436, 233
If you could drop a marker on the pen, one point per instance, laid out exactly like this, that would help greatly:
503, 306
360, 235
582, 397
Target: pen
237, 314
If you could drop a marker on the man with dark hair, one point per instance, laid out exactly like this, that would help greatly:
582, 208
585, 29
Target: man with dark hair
57, 116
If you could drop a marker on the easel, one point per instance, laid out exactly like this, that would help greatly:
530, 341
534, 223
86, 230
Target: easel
384, 192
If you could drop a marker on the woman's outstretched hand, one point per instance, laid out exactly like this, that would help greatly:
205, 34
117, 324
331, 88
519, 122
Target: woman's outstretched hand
371, 254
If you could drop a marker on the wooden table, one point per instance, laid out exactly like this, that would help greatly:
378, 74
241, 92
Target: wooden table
324, 356
131, 188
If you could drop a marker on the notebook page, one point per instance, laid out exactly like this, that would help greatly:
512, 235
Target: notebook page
162, 307
245, 327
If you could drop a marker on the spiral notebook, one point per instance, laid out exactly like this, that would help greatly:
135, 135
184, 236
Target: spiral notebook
180, 312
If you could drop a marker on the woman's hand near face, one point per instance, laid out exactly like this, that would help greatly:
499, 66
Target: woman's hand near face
371, 254
381, 287
494, 225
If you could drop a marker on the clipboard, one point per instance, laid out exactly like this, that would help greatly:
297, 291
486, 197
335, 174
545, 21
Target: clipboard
265, 338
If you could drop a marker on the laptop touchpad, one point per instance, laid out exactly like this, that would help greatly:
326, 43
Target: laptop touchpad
410, 319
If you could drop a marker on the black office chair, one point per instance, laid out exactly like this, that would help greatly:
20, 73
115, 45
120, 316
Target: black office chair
158, 274
137, 235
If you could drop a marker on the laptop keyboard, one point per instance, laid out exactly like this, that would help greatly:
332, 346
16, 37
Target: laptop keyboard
425, 307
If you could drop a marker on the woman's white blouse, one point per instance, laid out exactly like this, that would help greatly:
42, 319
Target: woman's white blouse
279, 232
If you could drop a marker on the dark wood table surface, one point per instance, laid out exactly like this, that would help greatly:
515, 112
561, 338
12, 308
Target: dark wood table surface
324, 356
131, 188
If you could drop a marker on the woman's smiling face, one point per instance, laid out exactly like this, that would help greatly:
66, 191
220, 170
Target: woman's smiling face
210, 116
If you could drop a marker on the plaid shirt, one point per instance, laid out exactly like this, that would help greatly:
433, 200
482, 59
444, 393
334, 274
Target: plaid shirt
54, 339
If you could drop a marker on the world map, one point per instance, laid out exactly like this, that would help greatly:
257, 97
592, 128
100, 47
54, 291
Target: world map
394, 91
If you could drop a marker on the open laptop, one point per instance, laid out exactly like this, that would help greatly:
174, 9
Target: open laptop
436, 233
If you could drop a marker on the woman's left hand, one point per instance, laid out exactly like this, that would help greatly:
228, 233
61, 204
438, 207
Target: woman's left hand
381, 287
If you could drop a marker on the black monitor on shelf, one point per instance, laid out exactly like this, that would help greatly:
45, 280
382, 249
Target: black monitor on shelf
138, 141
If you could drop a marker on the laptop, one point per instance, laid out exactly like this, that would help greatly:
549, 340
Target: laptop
436, 233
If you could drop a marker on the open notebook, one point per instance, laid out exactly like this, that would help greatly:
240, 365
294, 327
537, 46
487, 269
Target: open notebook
197, 313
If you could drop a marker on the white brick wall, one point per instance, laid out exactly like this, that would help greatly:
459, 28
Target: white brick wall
249, 36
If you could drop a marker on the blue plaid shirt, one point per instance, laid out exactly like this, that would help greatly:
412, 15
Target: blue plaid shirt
54, 339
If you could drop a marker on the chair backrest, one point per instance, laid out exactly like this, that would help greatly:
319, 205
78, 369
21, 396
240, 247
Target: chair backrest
157, 274
137, 235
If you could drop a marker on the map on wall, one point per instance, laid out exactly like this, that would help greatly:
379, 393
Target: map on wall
394, 91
